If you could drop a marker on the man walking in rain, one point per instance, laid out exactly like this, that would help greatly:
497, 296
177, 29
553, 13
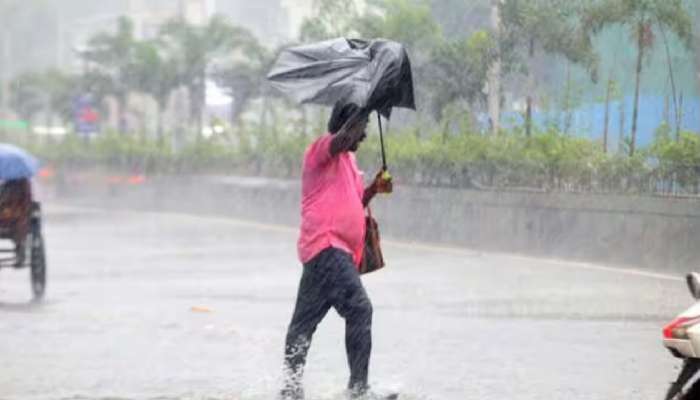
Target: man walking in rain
330, 248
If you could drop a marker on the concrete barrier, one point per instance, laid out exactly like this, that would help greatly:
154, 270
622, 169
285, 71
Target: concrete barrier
661, 234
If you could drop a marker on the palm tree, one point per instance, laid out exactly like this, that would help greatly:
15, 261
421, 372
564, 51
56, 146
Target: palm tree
241, 82
242, 74
99, 85
413, 24
59, 87
641, 16
195, 47
460, 70
155, 73
114, 53
552, 26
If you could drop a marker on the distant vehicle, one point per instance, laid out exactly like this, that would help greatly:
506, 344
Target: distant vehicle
682, 338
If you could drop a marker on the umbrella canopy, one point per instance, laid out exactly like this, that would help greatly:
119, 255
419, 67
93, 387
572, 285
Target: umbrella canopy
375, 75
16, 163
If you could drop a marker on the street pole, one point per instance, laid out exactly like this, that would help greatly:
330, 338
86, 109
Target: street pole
494, 73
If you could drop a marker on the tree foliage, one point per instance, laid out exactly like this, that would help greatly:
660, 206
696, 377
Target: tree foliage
450, 73
452, 48
459, 18
407, 21
331, 19
113, 54
242, 73
194, 48
50, 91
555, 26
155, 73
26, 96
641, 17
460, 68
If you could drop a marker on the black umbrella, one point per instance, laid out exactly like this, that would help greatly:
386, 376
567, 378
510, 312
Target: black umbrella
375, 75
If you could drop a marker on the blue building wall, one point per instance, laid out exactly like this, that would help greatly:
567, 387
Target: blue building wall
588, 121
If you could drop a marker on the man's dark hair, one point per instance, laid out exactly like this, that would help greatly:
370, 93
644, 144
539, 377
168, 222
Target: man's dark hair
340, 115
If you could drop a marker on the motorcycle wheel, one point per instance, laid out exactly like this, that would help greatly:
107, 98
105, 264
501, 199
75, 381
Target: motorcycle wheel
692, 394
674, 391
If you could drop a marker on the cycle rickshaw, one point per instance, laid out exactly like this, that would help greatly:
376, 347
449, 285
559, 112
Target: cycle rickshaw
20, 217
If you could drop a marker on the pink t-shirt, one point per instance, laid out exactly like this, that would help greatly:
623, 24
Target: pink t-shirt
331, 202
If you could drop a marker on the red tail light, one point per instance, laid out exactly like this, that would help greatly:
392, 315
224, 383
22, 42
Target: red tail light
678, 328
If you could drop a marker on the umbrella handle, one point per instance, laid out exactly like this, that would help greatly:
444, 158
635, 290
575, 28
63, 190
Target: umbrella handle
381, 140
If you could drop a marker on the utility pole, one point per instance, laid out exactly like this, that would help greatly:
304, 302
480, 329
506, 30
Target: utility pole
494, 73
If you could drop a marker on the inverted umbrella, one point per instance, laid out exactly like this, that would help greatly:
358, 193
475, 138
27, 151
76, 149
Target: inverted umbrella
16, 163
374, 75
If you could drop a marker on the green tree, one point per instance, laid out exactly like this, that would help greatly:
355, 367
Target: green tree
155, 73
333, 18
243, 81
612, 91
554, 26
459, 18
113, 53
242, 73
50, 92
60, 88
411, 23
195, 47
26, 97
99, 85
459, 69
641, 16
678, 160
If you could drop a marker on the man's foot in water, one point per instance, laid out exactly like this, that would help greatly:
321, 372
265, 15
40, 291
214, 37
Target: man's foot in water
292, 392
367, 394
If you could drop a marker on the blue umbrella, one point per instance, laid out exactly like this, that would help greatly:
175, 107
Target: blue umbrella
16, 163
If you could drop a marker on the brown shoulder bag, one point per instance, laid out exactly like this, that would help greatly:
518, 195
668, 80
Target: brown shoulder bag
372, 258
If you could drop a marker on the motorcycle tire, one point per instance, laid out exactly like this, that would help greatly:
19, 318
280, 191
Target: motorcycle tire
674, 391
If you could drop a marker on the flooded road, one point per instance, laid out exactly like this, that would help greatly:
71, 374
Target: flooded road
171, 306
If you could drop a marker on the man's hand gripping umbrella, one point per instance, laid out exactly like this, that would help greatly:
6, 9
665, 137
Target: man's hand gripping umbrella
374, 74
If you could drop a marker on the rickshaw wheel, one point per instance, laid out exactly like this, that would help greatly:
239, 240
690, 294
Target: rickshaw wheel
38, 265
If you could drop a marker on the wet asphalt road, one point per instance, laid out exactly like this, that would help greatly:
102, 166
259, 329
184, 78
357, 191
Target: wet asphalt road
145, 305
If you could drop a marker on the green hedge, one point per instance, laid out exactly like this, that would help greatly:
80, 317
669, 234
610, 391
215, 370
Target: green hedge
546, 161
